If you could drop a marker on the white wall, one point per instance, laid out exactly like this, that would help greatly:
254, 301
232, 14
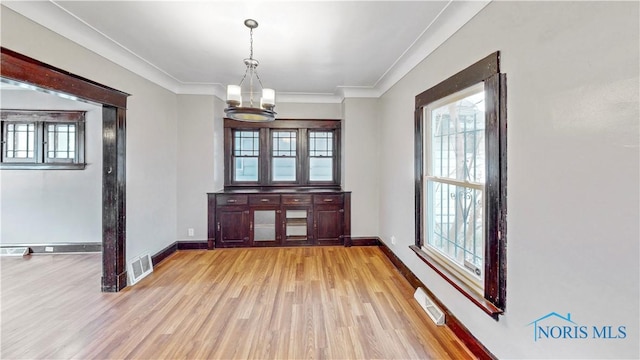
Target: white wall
573, 171
308, 111
53, 206
196, 133
360, 163
151, 130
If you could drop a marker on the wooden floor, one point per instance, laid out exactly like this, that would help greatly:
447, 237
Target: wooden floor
278, 303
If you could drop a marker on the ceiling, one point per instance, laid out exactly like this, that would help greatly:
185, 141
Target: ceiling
316, 51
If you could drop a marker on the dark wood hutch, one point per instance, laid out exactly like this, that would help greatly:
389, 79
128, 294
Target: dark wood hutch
267, 204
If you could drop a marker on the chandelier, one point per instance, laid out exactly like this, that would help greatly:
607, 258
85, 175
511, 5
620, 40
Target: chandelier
252, 109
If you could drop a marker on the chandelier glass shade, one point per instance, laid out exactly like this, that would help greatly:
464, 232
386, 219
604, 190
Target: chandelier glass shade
249, 101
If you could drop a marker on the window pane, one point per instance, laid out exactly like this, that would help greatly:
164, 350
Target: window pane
457, 139
284, 169
61, 141
321, 169
284, 143
246, 169
246, 143
455, 224
320, 143
20, 141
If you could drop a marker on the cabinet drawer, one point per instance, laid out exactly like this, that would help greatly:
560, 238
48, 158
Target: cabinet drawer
231, 200
264, 199
296, 199
328, 199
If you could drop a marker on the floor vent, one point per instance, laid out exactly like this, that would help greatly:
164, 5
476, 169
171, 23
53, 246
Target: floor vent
139, 268
429, 307
14, 251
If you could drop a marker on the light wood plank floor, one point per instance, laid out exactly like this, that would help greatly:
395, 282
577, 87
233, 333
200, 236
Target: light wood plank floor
278, 303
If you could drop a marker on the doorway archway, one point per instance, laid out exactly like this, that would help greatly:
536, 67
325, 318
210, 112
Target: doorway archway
25, 70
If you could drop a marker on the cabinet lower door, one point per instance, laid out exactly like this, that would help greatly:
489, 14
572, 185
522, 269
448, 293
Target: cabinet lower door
232, 228
264, 226
329, 220
297, 225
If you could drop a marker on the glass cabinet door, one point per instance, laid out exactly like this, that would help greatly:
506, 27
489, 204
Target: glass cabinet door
264, 225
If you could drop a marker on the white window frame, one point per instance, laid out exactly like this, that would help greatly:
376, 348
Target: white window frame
467, 276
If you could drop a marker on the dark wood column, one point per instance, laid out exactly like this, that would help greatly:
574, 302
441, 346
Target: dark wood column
22, 69
114, 274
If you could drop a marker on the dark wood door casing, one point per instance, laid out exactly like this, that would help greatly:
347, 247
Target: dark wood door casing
19, 68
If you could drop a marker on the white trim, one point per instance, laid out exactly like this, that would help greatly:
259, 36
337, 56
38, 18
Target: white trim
464, 275
467, 184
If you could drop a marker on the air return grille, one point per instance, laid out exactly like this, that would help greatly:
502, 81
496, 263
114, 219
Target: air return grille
139, 268
429, 307
14, 251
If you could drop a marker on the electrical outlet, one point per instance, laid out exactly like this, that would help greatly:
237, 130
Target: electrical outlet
190, 231
393, 240
48, 248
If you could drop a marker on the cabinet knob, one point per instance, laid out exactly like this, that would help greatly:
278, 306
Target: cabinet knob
264, 200
231, 201
296, 200
218, 226
328, 200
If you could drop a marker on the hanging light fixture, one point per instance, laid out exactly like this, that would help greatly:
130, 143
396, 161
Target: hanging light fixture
252, 109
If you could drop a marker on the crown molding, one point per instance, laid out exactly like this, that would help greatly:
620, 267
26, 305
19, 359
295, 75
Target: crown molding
48, 14
56, 19
453, 17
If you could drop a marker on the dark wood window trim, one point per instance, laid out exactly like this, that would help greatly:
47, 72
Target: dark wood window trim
303, 127
486, 70
41, 119
22, 69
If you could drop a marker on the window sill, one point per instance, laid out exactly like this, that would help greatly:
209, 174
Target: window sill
22, 166
486, 306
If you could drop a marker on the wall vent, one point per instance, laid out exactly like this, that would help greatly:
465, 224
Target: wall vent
14, 251
434, 312
139, 268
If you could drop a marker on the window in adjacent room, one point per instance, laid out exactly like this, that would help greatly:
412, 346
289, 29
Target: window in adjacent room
461, 182
34, 139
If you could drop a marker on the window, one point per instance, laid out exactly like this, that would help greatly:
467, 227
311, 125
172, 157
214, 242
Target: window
246, 153
33, 139
461, 182
320, 156
298, 153
284, 159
